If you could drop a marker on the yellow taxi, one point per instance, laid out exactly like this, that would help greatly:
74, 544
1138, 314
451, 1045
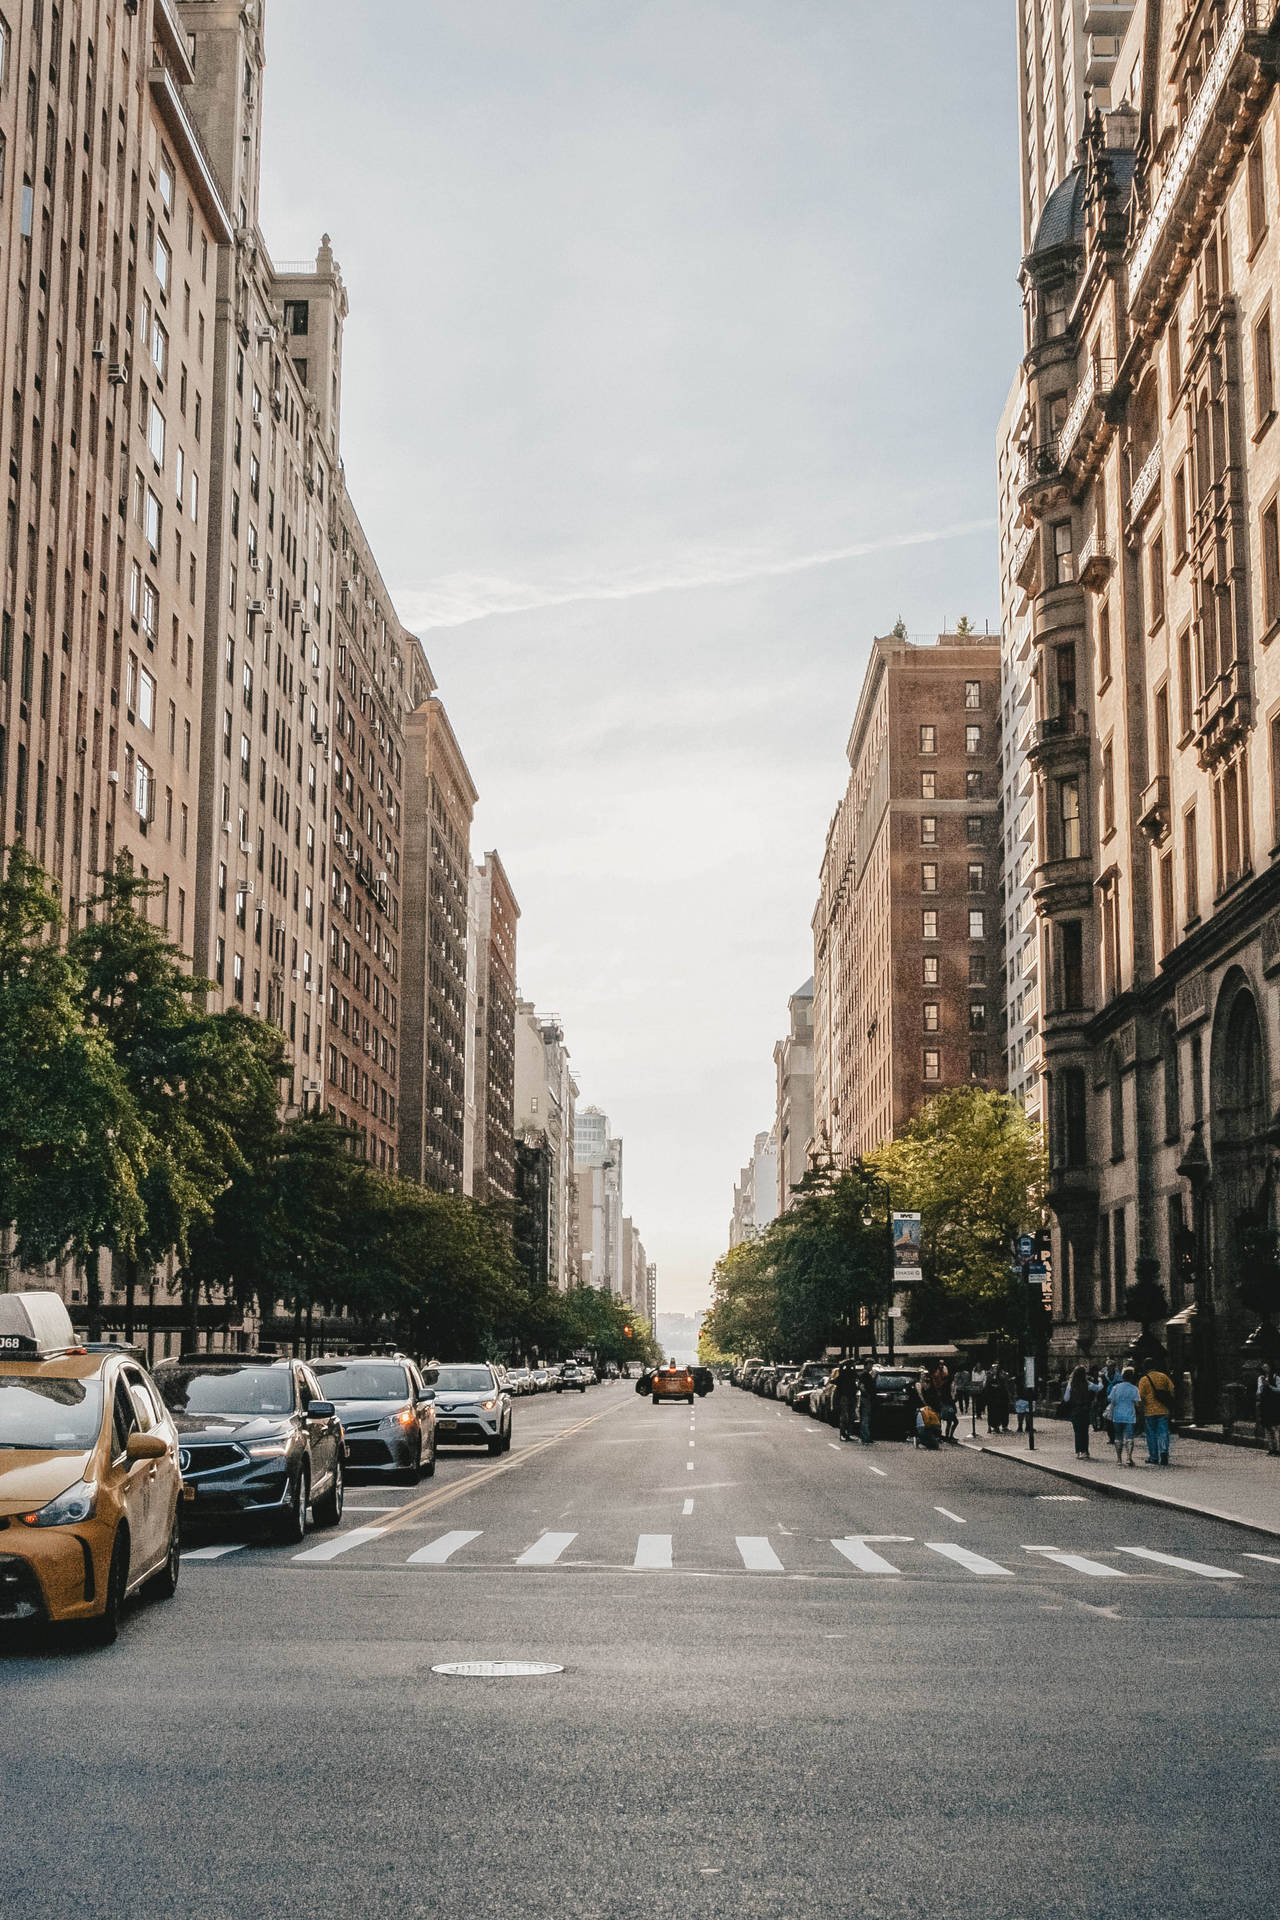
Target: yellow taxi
672, 1383
89, 1477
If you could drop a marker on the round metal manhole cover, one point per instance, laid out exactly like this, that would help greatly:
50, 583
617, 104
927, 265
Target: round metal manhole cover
497, 1669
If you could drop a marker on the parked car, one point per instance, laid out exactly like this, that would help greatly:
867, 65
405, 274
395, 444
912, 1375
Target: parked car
258, 1439
90, 1486
895, 1404
576, 1378
472, 1408
813, 1374
387, 1410
541, 1379
704, 1381
519, 1380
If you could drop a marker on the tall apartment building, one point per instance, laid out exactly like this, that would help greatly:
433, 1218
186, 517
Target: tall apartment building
439, 805
1149, 490
1067, 56
496, 913
651, 1293
597, 1160
545, 1108
112, 220
907, 930
793, 1125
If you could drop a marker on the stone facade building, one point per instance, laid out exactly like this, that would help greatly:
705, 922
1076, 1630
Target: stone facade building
755, 1197
907, 930
545, 1107
496, 915
1151, 468
793, 1126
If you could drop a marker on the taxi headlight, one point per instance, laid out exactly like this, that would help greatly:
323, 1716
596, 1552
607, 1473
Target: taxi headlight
69, 1509
267, 1449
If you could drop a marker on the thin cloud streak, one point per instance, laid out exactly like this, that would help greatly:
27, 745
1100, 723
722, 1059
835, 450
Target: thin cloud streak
456, 600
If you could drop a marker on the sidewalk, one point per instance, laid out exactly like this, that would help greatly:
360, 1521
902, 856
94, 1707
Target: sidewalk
1238, 1484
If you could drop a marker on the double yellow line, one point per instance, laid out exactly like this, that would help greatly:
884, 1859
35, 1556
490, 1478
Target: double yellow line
440, 1496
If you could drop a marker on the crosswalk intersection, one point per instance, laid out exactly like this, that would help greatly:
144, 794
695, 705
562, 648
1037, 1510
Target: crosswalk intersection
884, 1556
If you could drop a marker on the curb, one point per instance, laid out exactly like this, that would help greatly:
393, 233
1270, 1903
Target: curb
1105, 1488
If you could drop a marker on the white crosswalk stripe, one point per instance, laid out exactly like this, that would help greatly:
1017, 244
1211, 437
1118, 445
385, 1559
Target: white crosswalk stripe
212, 1553
546, 1551
436, 1552
970, 1561
653, 1552
1183, 1566
330, 1549
864, 1558
1079, 1563
758, 1555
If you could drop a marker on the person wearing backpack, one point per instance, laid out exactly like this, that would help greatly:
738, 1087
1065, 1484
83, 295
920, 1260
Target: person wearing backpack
1156, 1392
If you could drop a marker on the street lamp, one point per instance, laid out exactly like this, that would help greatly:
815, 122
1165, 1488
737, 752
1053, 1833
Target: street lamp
868, 1217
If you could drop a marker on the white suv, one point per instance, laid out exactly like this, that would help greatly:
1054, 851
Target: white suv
472, 1407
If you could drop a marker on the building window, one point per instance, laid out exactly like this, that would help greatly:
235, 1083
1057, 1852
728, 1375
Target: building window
155, 434
973, 693
1068, 1138
1264, 376
932, 1064
928, 877
977, 877
931, 970
144, 790
1069, 817
977, 969
1108, 790
146, 699
1104, 1264
1104, 644
1071, 981
1155, 577
928, 739
929, 785
1191, 865
1171, 1075
1168, 932
164, 262
978, 1063
1119, 1260
977, 924
154, 524
1180, 512
929, 924
973, 783
164, 180
1257, 195
977, 1016
973, 739
1271, 564
1186, 684
975, 829
1064, 559
931, 1015
928, 829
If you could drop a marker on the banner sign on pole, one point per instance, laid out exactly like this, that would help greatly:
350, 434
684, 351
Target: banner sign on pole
906, 1249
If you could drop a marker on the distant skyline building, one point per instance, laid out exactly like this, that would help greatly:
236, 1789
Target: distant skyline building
545, 1109
755, 1198
793, 1063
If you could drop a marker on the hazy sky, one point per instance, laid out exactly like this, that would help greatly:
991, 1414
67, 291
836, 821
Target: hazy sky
679, 333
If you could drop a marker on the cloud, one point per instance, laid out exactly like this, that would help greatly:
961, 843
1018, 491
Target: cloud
455, 600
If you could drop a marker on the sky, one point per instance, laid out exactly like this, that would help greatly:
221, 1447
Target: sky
679, 334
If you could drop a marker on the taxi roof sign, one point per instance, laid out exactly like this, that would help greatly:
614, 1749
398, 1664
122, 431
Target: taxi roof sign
36, 1322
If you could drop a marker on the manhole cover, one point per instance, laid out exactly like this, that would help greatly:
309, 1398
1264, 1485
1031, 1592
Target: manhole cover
496, 1669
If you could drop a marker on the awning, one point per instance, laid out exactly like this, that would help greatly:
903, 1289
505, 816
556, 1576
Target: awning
1186, 1318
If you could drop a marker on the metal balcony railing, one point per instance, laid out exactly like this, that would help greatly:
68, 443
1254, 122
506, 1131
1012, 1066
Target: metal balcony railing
1061, 726
1095, 386
1039, 463
1145, 484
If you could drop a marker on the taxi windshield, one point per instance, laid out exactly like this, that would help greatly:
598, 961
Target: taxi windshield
49, 1415
226, 1389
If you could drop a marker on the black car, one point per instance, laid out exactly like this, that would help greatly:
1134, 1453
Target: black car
895, 1403
387, 1411
257, 1441
704, 1381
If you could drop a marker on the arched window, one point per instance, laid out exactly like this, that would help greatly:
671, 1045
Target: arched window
1115, 1095
1172, 1074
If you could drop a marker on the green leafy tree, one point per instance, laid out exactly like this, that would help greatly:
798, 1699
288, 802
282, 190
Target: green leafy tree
743, 1319
72, 1143
973, 1167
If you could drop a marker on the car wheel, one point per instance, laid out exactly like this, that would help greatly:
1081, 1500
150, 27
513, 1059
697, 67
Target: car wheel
495, 1445
328, 1511
429, 1470
506, 1444
292, 1524
101, 1631
411, 1475
164, 1584
655, 1399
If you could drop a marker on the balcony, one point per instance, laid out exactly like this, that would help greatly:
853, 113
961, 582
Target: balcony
1060, 738
1146, 486
1063, 886
1091, 395
1100, 58
1039, 475
1222, 715
1095, 564
1107, 16
1059, 726
1153, 812
1202, 136
1026, 558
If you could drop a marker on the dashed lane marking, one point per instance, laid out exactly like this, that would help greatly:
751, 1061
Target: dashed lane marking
971, 1562
653, 1552
1072, 1499
948, 1515
212, 1553
1183, 1566
757, 1554
330, 1549
436, 1552
688, 1506
878, 1471
834, 1445
1270, 1558
1079, 1563
546, 1551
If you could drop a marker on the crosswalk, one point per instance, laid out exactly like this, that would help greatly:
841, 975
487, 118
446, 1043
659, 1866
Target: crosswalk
879, 1555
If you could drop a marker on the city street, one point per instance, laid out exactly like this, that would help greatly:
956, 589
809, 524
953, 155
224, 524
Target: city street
799, 1678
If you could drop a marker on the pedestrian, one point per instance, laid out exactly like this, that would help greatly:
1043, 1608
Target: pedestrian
1156, 1391
1080, 1400
866, 1406
950, 1415
1269, 1406
999, 1401
1097, 1397
846, 1398
978, 1390
960, 1388
1123, 1402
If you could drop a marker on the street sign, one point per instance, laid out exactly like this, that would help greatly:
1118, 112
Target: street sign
1026, 1247
1037, 1271
906, 1249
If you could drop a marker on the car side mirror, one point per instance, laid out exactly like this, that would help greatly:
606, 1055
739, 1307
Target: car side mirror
430, 1375
426, 1396
321, 1410
146, 1446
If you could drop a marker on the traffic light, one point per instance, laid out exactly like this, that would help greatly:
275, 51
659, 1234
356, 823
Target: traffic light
627, 1332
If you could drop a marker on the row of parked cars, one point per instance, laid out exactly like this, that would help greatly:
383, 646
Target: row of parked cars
568, 1376
811, 1388
105, 1465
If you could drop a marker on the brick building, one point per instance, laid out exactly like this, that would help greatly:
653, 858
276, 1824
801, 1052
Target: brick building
496, 914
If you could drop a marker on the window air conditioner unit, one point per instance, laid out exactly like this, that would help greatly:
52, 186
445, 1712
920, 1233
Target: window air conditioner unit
257, 607
296, 974
117, 373
255, 565
257, 1006
99, 349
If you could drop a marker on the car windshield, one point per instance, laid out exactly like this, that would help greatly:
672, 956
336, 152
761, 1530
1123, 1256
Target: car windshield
464, 1380
892, 1382
49, 1414
363, 1380
226, 1389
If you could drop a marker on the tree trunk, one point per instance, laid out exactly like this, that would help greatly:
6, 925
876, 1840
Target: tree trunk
93, 1291
130, 1285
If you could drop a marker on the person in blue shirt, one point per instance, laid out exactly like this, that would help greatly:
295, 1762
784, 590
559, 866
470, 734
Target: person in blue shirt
1122, 1404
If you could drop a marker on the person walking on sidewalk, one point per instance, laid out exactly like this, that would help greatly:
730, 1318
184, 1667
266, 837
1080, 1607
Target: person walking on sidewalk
1080, 1410
1156, 1392
847, 1398
866, 1405
1122, 1404
1269, 1406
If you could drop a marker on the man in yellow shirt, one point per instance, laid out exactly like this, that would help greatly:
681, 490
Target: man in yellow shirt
1155, 1390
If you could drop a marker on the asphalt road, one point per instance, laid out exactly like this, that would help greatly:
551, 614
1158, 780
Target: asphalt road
770, 1724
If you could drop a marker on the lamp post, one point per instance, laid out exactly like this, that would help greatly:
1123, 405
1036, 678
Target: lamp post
868, 1216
